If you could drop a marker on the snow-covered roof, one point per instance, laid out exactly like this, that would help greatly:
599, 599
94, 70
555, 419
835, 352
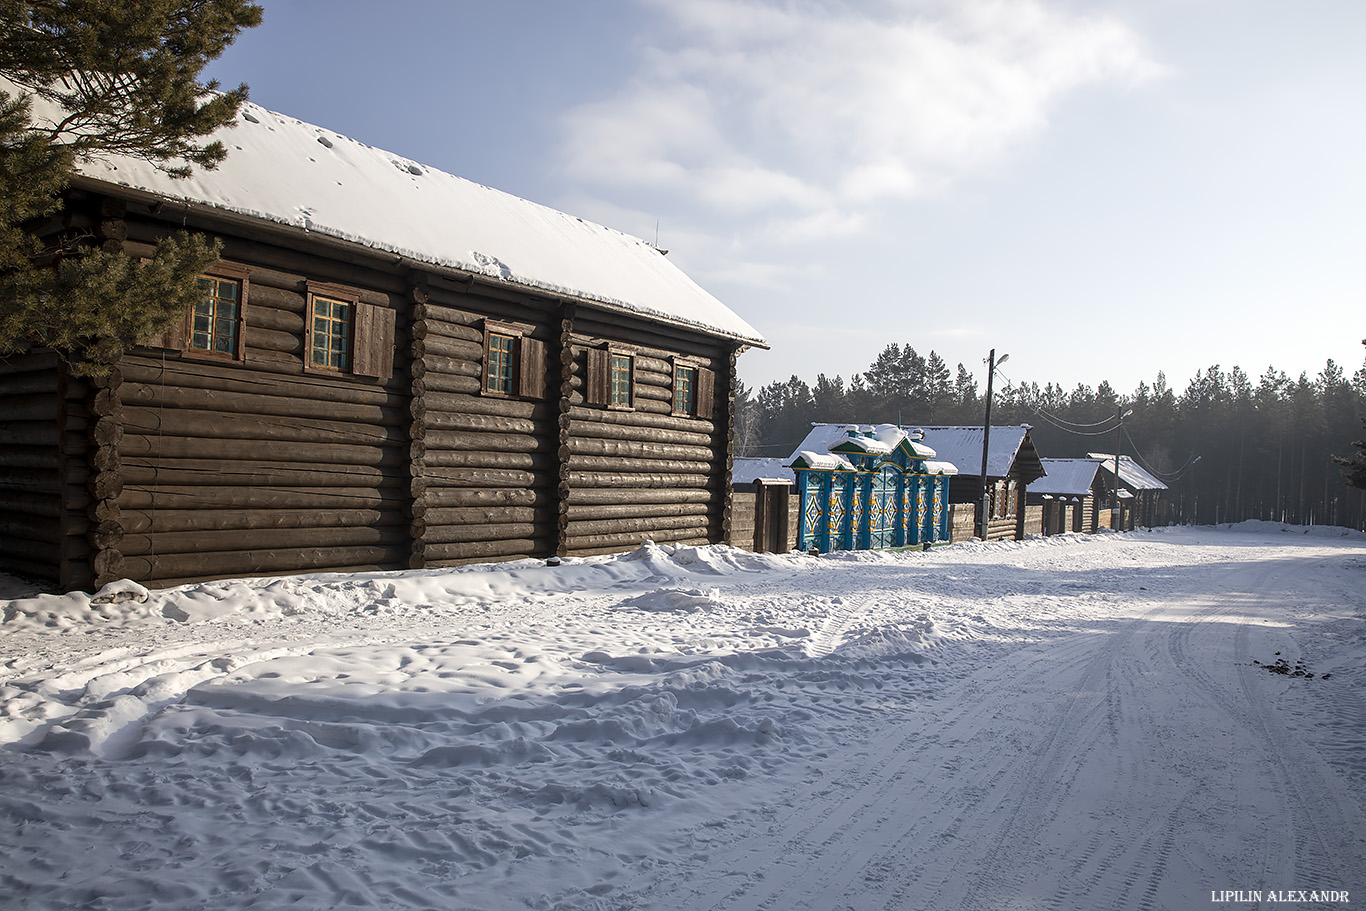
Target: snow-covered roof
963, 447
747, 470
1130, 474
1066, 477
821, 461
879, 439
283, 170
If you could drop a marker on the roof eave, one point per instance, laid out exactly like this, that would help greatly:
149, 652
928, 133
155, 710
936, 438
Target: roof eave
322, 238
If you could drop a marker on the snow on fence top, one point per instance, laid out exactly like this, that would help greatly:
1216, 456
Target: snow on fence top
289, 172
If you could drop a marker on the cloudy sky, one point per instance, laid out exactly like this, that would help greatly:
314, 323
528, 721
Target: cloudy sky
1102, 189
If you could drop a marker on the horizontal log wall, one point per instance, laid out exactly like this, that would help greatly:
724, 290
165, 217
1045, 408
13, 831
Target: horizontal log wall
252, 467
488, 463
42, 523
178, 466
962, 521
644, 473
1088, 515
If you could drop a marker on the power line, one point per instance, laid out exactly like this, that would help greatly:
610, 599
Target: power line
1062, 423
1169, 477
1081, 433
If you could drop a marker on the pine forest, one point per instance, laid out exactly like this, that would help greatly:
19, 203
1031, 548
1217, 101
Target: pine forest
1229, 446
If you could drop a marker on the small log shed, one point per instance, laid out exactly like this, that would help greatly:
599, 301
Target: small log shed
1138, 494
1067, 495
763, 511
391, 368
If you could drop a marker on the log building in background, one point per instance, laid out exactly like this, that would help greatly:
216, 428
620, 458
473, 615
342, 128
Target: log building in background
1012, 465
1136, 501
1067, 495
392, 368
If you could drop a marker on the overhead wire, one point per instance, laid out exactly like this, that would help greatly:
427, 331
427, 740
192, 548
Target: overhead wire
1171, 476
1062, 423
1114, 423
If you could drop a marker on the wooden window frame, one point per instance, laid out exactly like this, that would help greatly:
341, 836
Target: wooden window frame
629, 357
179, 337
1004, 493
494, 329
703, 391
528, 377
597, 389
689, 368
682, 369
334, 293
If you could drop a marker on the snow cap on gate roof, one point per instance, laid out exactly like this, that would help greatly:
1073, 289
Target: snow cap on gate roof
879, 440
821, 461
882, 439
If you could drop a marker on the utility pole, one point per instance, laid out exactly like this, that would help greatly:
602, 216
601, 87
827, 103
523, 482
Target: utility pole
982, 516
1119, 421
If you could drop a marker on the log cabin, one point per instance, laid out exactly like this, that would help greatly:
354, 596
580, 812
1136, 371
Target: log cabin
391, 367
1136, 500
1012, 464
1067, 495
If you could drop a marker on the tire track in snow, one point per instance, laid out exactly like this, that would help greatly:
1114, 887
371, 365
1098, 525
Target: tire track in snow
831, 633
872, 838
1006, 871
1078, 781
1310, 855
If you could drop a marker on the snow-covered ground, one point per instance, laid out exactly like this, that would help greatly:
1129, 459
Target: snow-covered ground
1076, 722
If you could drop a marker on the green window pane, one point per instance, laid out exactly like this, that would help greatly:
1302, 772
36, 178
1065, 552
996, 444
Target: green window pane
214, 322
621, 379
499, 367
683, 390
331, 332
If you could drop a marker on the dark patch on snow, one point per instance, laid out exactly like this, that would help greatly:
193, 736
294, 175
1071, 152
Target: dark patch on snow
1285, 669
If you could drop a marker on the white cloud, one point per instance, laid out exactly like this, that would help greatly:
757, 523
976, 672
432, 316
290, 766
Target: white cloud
815, 111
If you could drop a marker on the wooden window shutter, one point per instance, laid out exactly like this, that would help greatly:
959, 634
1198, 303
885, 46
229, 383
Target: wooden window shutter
532, 368
176, 334
597, 388
373, 344
706, 392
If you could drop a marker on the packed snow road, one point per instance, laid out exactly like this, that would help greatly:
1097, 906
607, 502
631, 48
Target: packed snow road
1171, 719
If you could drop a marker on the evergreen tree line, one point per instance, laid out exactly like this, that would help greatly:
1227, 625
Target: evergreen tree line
1228, 447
